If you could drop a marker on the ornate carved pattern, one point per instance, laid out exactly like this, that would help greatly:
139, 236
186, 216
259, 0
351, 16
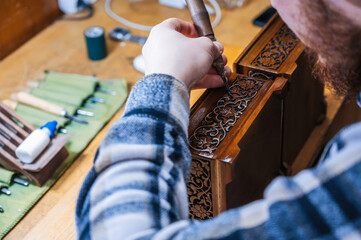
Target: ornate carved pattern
215, 126
277, 50
260, 75
199, 190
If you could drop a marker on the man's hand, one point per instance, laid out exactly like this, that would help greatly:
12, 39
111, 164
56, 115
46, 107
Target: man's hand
173, 47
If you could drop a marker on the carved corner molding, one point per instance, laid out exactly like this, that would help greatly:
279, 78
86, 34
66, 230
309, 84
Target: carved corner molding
216, 125
277, 49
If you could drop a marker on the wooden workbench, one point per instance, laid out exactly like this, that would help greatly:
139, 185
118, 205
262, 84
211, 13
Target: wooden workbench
61, 47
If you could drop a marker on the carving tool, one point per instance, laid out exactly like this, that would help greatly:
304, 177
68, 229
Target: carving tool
20, 181
99, 89
12, 105
96, 99
6, 191
204, 28
44, 105
55, 97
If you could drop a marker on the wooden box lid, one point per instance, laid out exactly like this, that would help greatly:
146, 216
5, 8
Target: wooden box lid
218, 121
273, 53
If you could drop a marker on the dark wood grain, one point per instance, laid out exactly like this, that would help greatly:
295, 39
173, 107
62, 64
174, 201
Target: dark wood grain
22, 19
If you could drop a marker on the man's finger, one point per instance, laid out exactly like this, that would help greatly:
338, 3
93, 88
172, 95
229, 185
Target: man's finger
181, 26
210, 81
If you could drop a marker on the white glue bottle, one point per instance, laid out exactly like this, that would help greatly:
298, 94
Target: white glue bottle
35, 143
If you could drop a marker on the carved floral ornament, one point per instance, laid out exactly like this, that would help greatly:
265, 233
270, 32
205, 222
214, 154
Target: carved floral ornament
199, 190
277, 49
216, 125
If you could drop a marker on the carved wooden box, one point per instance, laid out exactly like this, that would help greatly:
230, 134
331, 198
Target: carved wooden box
240, 143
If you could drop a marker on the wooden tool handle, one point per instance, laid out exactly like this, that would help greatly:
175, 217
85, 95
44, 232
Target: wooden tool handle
39, 103
200, 18
10, 104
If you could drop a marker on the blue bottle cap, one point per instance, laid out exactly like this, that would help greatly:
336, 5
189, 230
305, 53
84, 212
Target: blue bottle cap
51, 126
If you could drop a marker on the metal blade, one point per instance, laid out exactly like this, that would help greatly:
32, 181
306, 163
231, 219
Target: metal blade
20, 181
106, 91
63, 131
5, 191
87, 105
224, 78
77, 119
97, 100
85, 113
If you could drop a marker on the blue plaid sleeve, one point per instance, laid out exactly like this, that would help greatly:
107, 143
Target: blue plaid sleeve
137, 186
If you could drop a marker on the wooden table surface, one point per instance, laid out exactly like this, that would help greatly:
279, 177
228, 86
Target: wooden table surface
61, 47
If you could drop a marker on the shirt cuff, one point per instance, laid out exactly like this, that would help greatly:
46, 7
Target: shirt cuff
162, 92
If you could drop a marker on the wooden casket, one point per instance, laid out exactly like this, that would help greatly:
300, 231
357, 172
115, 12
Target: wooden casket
240, 143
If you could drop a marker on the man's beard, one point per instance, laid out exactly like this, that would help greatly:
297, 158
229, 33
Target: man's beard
335, 45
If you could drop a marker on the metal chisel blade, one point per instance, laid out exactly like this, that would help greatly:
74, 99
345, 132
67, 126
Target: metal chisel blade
77, 119
97, 100
5, 191
224, 78
106, 91
85, 113
20, 181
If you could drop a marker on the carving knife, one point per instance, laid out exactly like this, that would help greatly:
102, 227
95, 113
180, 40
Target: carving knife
204, 28
44, 105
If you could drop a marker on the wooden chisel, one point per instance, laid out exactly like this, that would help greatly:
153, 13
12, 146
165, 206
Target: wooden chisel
204, 28
28, 99
12, 105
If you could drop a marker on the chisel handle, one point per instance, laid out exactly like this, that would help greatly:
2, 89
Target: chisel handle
39, 103
200, 18
10, 104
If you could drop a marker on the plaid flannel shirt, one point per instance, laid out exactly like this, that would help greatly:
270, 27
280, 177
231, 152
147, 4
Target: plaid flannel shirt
137, 187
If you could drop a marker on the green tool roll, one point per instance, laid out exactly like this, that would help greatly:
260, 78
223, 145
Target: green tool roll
72, 99
87, 83
61, 89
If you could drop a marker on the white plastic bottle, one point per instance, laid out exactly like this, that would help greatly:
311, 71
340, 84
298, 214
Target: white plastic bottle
35, 143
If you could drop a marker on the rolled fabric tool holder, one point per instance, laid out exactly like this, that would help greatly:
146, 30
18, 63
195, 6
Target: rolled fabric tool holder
72, 92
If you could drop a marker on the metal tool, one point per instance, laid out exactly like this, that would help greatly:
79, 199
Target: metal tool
99, 89
5, 191
44, 105
20, 181
203, 25
96, 100
123, 34
12, 105
84, 113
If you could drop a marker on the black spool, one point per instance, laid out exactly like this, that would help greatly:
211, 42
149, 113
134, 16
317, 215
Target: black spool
95, 43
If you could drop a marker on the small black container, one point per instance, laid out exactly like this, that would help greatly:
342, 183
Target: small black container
95, 43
